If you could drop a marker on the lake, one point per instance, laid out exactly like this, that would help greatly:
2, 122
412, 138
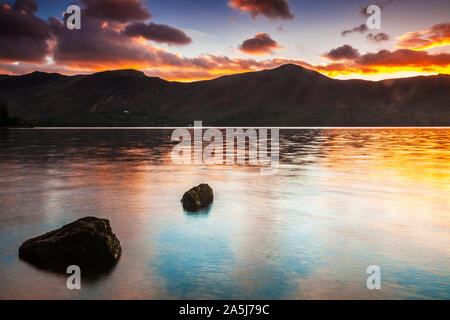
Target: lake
342, 200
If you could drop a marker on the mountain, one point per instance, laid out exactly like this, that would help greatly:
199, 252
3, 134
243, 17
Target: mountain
286, 96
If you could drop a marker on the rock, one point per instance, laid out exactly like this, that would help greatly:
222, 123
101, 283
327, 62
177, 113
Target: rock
197, 198
88, 242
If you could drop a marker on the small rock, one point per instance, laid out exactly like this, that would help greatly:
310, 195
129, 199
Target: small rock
88, 242
197, 198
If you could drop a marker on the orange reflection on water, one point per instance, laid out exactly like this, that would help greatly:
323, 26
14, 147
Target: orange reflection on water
417, 155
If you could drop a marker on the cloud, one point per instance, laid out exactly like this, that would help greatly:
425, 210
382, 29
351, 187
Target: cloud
23, 36
104, 44
403, 57
96, 46
385, 61
359, 29
436, 36
117, 10
272, 9
378, 37
175, 67
27, 6
260, 44
344, 52
160, 33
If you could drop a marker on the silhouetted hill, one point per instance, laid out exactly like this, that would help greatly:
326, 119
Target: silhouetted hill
286, 96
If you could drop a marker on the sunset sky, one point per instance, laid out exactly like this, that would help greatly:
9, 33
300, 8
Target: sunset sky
190, 40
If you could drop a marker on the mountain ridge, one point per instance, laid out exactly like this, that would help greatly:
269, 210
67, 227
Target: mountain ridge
289, 95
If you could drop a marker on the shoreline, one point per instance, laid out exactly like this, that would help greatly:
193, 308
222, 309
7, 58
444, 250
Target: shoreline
220, 127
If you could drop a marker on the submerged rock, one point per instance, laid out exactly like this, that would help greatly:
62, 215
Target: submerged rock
88, 242
197, 198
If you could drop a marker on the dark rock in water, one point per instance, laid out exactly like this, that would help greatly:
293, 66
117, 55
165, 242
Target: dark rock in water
197, 198
88, 242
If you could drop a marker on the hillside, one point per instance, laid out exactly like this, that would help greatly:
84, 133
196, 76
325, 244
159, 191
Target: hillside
286, 96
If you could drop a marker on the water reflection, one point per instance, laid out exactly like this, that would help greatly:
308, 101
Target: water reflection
203, 212
342, 200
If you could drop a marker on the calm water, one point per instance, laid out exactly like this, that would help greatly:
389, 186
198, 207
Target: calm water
341, 201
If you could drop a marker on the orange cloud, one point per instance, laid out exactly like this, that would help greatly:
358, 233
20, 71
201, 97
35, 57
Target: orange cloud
178, 68
436, 36
385, 61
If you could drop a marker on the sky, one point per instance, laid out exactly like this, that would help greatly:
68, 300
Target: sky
189, 40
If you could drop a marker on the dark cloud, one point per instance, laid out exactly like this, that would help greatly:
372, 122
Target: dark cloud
160, 33
260, 44
102, 44
272, 9
28, 6
23, 36
378, 37
117, 10
99, 46
96, 44
359, 29
344, 52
